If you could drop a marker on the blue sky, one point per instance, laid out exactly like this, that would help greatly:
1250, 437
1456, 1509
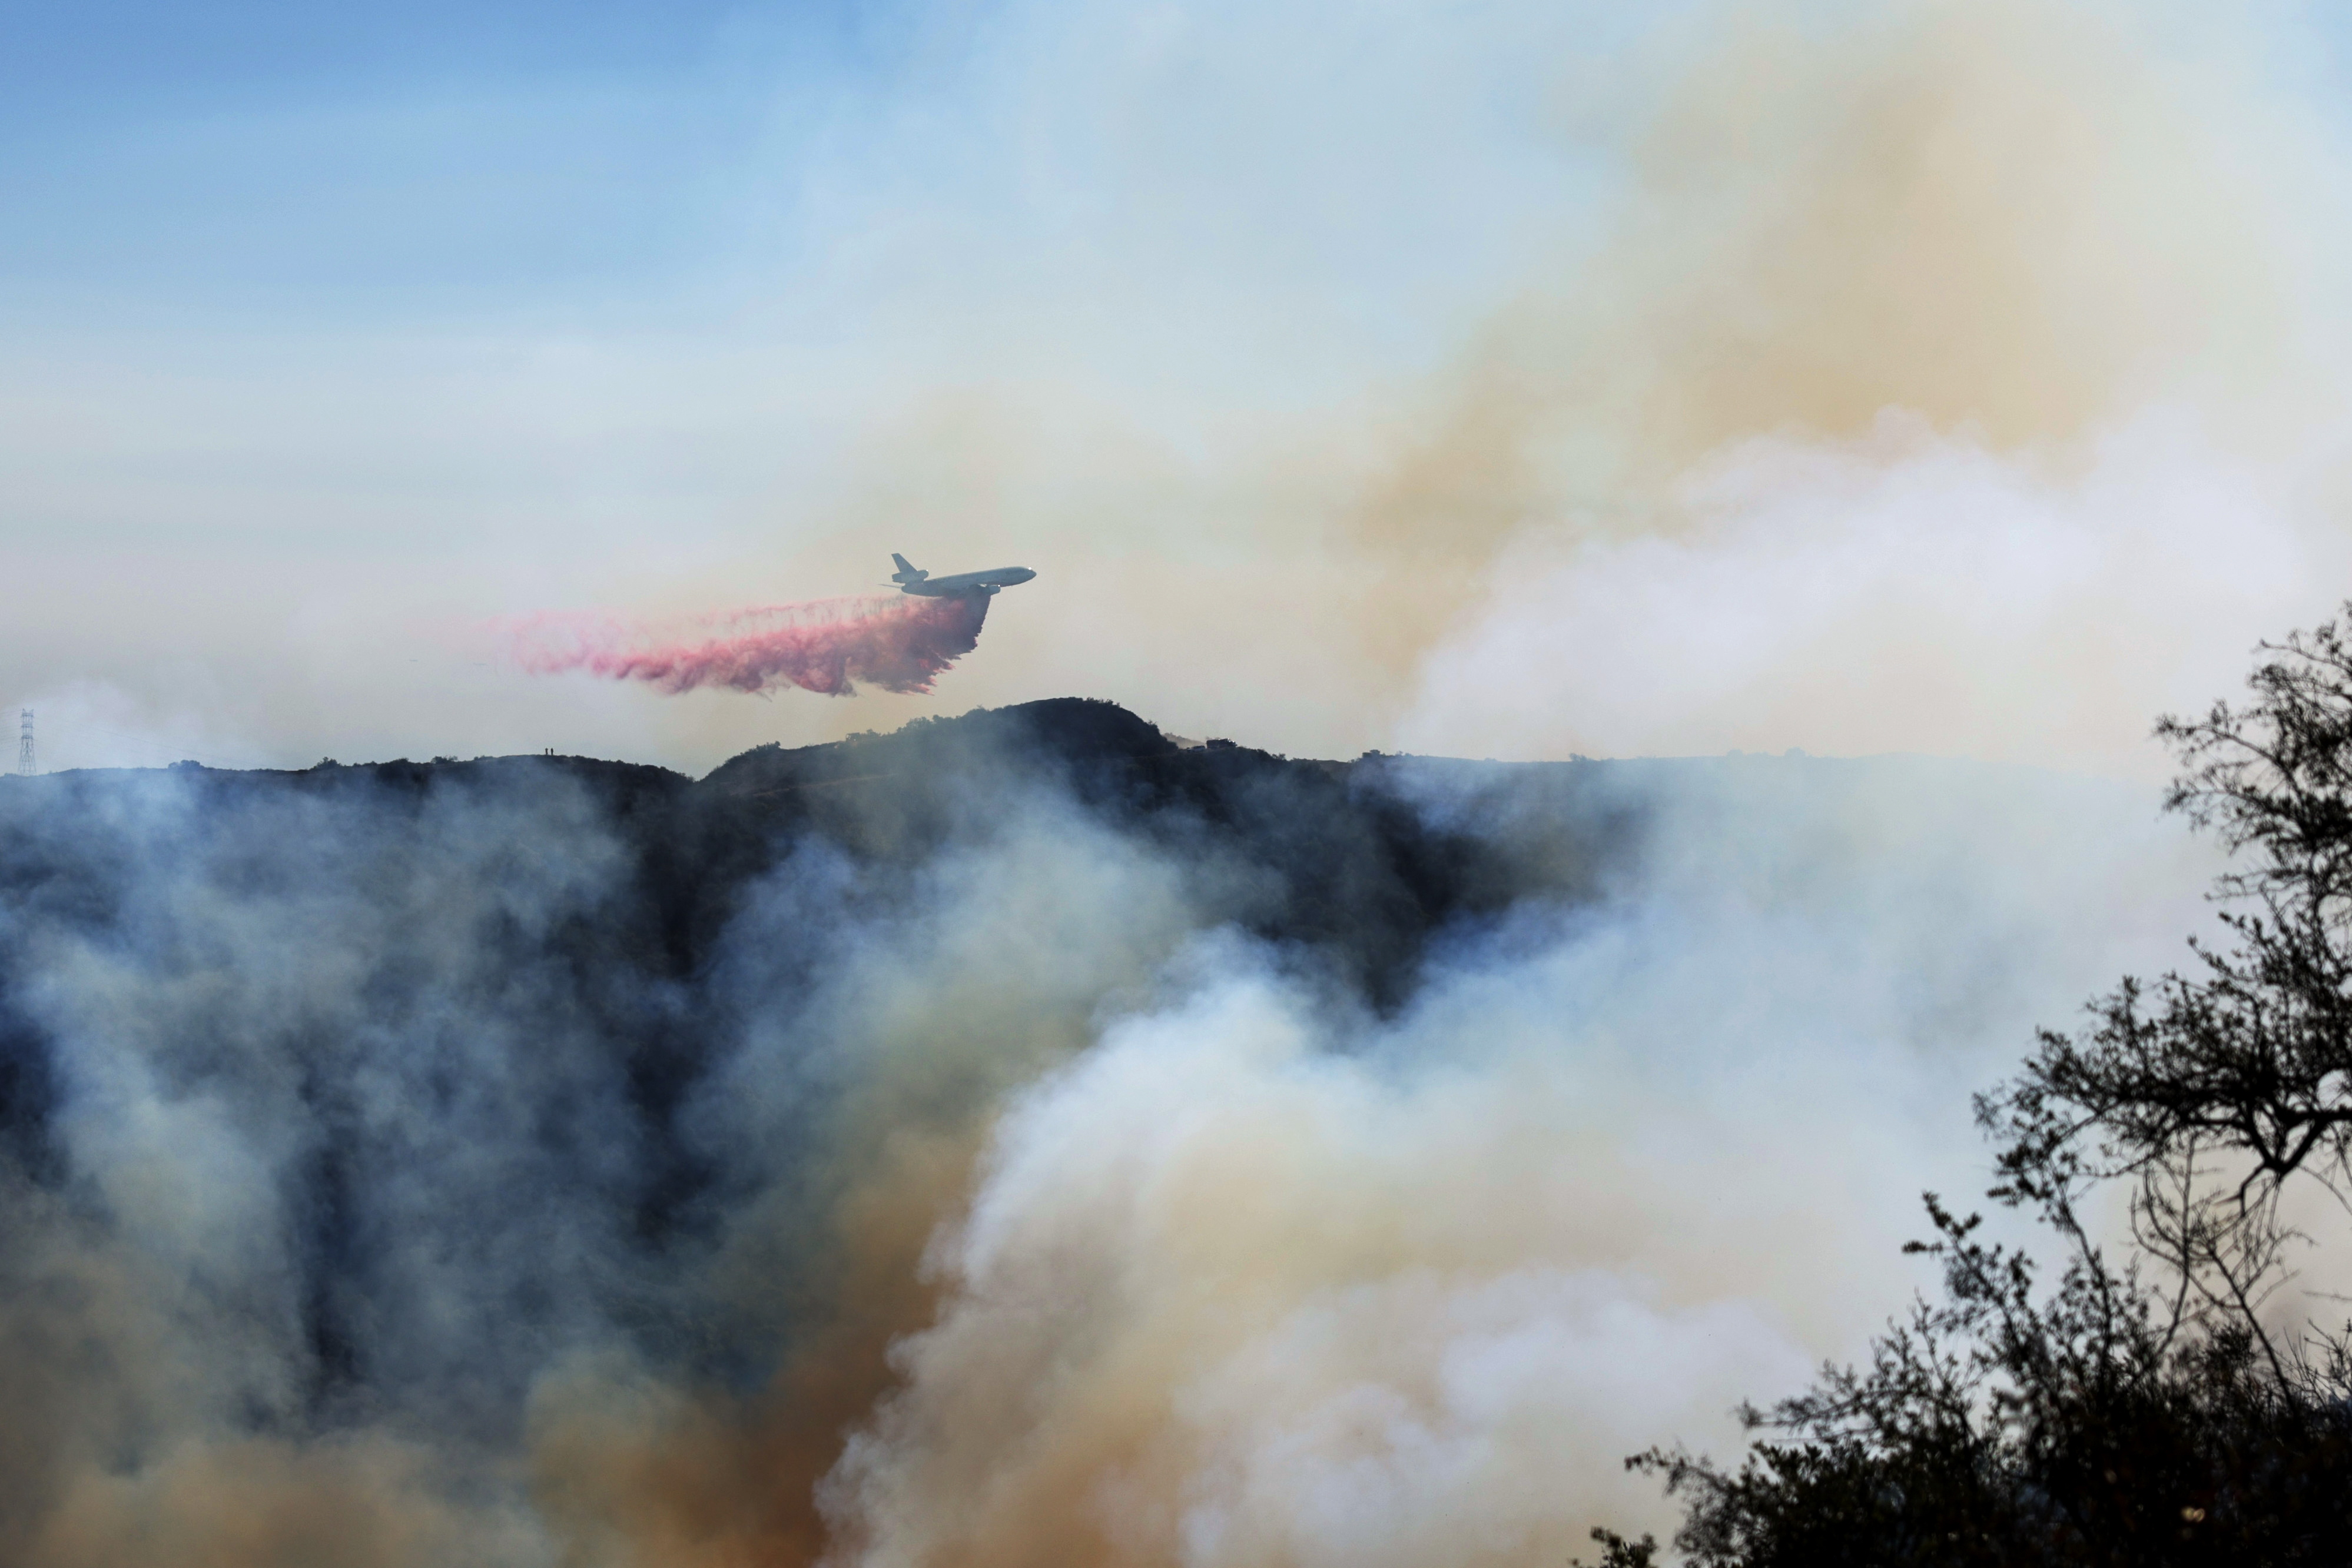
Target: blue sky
424, 157
294, 161
309, 161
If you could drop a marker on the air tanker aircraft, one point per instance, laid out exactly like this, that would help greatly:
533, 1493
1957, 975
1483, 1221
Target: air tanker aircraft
963, 585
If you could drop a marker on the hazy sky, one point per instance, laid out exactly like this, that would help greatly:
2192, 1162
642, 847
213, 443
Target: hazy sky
1501, 378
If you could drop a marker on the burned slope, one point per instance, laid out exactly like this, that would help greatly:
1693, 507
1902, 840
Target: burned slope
389, 1103
1341, 862
448, 1022
611, 884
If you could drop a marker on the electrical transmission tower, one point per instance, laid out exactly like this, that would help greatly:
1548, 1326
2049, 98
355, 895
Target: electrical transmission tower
25, 741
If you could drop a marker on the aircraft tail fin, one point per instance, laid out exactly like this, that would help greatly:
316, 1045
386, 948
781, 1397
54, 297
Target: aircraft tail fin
906, 573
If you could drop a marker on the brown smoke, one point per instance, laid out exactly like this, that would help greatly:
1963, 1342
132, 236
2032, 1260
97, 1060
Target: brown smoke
106, 1457
368, 1503
634, 1474
2016, 219
1003, 980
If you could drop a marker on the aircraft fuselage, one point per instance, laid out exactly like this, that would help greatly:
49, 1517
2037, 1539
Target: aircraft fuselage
962, 585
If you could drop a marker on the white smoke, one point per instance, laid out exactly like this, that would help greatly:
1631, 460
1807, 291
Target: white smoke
1913, 590
1259, 1279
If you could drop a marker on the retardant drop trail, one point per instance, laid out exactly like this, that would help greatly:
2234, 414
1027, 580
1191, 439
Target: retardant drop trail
828, 645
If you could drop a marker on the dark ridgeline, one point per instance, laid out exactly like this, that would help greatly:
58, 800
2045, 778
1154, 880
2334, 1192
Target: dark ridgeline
1357, 863
539, 946
1347, 863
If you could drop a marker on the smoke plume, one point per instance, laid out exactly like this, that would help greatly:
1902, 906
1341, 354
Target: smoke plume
977, 1147
898, 642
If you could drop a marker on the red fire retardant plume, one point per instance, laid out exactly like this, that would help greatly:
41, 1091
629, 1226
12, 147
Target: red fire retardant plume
899, 644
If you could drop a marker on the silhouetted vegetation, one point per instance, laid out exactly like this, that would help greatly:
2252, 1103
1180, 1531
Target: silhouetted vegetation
2173, 1404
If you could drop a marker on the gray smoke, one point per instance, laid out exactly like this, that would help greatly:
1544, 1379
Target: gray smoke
447, 1166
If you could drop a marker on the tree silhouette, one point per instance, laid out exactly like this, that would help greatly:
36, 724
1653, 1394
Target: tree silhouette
2162, 1408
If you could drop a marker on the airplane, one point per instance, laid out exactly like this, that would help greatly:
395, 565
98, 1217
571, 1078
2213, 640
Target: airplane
963, 585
